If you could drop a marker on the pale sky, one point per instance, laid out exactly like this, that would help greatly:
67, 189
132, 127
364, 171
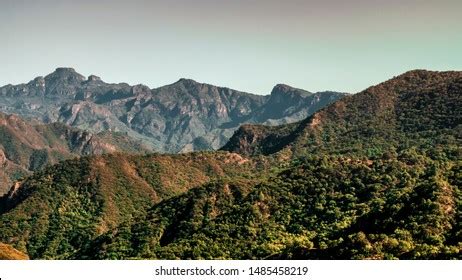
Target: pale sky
246, 45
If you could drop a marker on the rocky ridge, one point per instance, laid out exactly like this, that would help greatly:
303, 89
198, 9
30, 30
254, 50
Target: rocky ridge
181, 117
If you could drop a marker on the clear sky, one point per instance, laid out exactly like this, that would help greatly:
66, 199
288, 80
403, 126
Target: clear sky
246, 45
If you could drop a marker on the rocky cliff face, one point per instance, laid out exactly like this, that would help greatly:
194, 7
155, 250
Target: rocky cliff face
180, 117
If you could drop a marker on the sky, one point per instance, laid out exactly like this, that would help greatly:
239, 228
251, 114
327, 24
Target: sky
245, 45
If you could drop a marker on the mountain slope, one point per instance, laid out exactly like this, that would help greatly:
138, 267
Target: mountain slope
318, 208
183, 116
418, 108
29, 146
61, 209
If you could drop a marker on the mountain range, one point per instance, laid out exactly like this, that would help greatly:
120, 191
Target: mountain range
181, 117
375, 175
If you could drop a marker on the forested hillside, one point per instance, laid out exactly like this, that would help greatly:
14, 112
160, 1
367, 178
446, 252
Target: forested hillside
316, 208
62, 208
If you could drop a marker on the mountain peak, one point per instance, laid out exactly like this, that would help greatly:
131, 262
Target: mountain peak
94, 78
188, 82
65, 69
283, 90
421, 74
66, 73
282, 87
417, 79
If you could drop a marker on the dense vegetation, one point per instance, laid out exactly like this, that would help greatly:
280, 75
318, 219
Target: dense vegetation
61, 209
320, 207
374, 176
